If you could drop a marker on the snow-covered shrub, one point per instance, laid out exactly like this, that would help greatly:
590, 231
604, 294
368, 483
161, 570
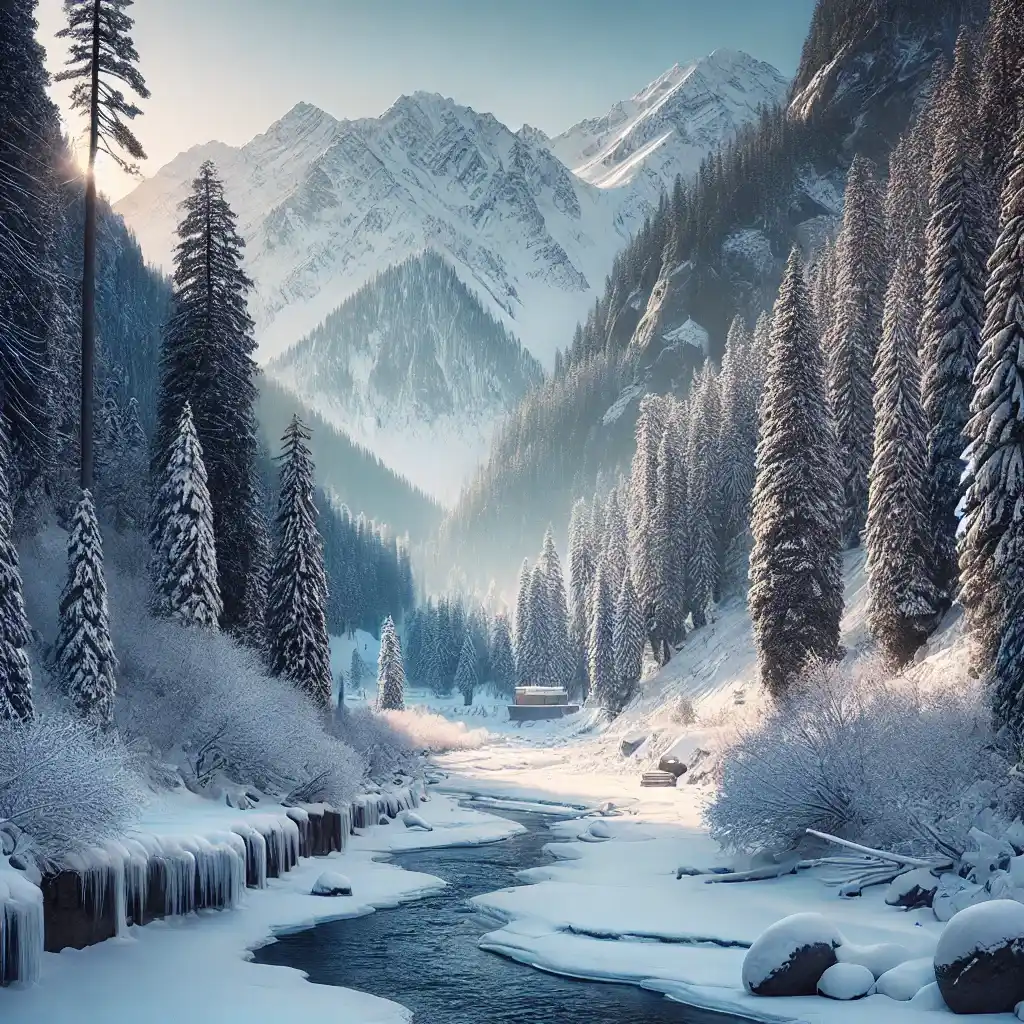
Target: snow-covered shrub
389, 741
369, 733
62, 789
857, 755
205, 702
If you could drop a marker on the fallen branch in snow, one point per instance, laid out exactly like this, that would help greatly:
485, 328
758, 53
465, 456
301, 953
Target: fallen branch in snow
872, 867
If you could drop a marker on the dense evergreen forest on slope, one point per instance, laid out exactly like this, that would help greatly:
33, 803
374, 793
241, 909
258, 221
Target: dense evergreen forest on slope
714, 249
351, 474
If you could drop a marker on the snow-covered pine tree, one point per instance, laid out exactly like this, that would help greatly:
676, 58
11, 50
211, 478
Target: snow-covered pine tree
903, 601
102, 62
670, 536
991, 536
953, 307
643, 489
16, 702
1001, 103
522, 617
628, 641
737, 446
822, 284
503, 664
601, 649
183, 569
760, 354
616, 541
356, 673
390, 670
702, 495
298, 644
30, 306
581, 584
208, 361
796, 586
853, 337
559, 656
83, 654
535, 659
466, 679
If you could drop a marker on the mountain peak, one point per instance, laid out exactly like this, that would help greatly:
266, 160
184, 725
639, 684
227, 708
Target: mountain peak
670, 125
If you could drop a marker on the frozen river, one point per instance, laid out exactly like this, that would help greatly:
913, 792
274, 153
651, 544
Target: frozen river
424, 954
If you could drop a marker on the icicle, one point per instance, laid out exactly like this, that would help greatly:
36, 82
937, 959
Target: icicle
255, 855
21, 927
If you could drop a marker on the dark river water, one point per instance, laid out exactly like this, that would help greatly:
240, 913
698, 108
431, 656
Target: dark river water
424, 954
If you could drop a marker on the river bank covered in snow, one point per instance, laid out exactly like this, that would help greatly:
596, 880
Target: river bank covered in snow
197, 967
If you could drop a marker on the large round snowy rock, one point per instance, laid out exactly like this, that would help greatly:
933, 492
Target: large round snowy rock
331, 883
877, 959
789, 958
906, 980
846, 981
979, 959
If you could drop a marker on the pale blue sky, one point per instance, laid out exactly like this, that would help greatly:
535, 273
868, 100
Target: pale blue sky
225, 69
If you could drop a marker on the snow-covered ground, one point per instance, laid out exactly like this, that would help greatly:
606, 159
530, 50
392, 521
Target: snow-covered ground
611, 907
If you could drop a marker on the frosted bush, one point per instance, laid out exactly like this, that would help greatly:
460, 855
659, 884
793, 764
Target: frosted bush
390, 741
61, 789
855, 755
205, 702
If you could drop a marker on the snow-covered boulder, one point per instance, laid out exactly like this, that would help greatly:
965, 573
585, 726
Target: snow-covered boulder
332, 883
928, 998
906, 980
912, 889
412, 820
846, 981
789, 958
979, 960
877, 959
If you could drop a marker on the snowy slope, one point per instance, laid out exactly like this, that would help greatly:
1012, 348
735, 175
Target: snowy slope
668, 127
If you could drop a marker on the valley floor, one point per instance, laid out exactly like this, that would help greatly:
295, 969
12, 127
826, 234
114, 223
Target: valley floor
608, 907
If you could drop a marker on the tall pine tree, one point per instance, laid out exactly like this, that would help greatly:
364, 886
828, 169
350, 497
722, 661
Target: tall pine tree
670, 535
581, 585
503, 665
521, 620
466, 679
102, 64
702, 495
84, 655
602, 646
298, 644
558, 655
29, 298
992, 533
390, 670
853, 336
796, 587
208, 361
903, 601
951, 328
183, 573
16, 702
628, 642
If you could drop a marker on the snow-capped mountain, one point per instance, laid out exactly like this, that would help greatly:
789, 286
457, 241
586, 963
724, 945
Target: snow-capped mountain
668, 128
411, 366
325, 205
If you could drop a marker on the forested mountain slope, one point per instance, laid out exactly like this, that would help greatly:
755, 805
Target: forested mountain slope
714, 251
